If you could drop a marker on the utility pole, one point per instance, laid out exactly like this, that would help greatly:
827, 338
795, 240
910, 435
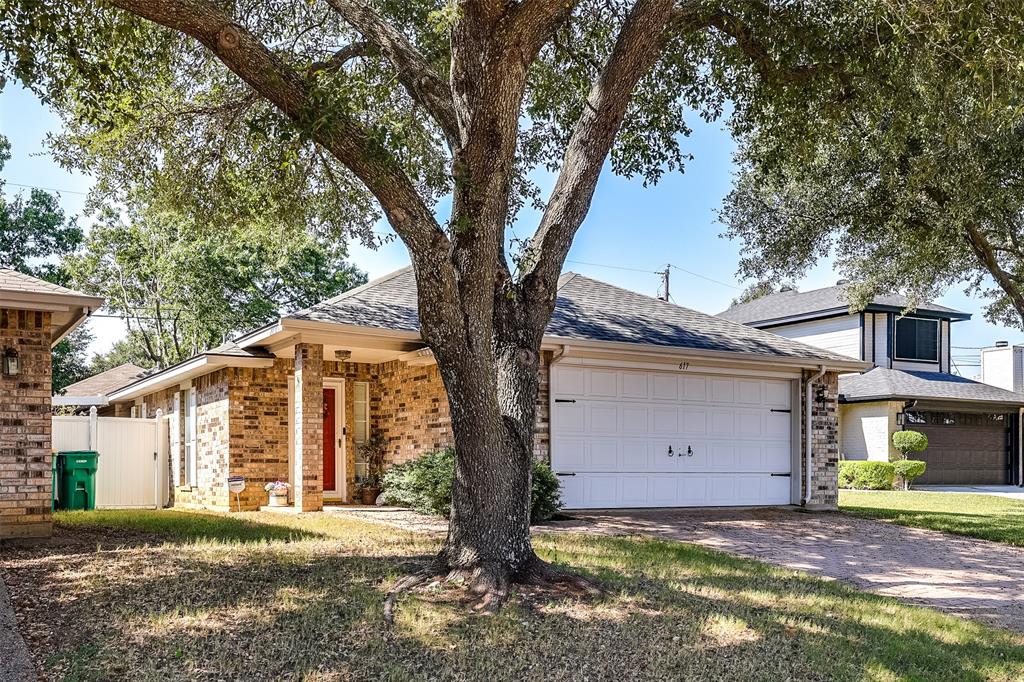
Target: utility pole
664, 282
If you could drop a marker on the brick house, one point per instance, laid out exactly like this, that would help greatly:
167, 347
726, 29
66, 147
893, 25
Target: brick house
642, 403
34, 316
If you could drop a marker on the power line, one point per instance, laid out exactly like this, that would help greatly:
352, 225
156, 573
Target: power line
47, 189
710, 279
615, 267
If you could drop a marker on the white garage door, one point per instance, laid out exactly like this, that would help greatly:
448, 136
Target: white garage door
623, 438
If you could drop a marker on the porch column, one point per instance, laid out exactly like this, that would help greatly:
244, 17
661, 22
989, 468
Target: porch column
309, 427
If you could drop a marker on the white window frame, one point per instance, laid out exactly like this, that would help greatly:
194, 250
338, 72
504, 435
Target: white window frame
191, 460
360, 395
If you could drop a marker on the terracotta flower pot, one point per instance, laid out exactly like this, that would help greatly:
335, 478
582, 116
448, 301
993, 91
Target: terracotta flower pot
369, 495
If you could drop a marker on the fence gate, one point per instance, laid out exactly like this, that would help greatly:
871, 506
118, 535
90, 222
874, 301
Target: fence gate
133, 457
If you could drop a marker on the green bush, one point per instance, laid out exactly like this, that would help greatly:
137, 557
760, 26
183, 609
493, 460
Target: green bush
425, 485
867, 475
909, 469
909, 441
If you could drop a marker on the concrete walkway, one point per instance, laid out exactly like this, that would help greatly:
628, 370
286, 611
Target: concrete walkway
15, 664
971, 578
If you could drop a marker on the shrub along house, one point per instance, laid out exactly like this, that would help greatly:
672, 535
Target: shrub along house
973, 428
34, 316
643, 403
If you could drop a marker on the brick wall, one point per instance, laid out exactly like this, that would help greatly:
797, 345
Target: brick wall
244, 412
26, 482
825, 442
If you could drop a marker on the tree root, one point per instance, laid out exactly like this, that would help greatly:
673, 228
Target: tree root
491, 586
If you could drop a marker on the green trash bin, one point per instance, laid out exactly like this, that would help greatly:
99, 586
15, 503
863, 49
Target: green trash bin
77, 473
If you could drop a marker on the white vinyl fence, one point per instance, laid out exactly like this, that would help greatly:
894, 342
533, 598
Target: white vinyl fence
132, 468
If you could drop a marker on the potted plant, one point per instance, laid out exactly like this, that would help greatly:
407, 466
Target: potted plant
278, 493
372, 453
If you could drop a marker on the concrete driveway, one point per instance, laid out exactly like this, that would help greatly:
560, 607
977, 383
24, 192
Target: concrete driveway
971, 578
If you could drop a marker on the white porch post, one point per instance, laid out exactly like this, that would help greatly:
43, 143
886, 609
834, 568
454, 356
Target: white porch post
309, 427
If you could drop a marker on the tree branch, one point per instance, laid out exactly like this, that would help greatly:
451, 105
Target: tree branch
986, 255
278, 83
359, 48
636, 50
760, 56
414, 72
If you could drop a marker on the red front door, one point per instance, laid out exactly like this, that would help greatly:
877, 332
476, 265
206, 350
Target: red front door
329, 464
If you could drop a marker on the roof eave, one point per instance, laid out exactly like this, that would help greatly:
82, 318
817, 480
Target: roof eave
808, 362
184, 371
843, 398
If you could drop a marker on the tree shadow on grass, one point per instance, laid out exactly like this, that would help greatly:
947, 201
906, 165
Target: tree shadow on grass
313, 611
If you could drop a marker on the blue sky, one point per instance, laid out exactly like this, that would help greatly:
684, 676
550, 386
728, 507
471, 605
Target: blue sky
630, 233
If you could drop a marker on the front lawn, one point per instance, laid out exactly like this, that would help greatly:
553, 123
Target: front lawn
171, 595
978, 516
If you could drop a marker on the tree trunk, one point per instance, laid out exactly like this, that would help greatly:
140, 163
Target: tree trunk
492, 398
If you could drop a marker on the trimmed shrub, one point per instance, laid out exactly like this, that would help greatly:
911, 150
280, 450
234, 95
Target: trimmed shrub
867, 475
907, 442
909, 469
425, 485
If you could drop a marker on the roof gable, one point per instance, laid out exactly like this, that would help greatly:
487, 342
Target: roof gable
788, 305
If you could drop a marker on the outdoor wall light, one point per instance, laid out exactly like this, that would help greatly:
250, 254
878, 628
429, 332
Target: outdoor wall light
12, 363
901, 418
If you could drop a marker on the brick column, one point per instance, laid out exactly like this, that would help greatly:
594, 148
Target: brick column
825, 443
309, 427
25, 427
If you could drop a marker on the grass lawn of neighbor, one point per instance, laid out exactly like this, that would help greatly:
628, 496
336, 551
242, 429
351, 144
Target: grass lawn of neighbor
978, 516
167, 595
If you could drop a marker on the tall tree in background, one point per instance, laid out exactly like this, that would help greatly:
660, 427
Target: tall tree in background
181, 289
34, 235
313, 108
913, 199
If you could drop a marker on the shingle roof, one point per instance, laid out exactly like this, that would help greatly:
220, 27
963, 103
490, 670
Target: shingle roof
105, 382
586, 309
882, 383
788, 304
12, 280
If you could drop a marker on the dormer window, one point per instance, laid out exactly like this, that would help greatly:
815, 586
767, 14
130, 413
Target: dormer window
917, 339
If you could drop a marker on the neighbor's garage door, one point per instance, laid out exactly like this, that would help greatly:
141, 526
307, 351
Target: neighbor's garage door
962, 448
623, 438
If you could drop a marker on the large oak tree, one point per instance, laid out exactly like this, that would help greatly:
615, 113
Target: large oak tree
334, 109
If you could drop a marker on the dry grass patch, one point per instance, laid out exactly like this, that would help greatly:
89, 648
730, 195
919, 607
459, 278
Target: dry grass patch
180, 596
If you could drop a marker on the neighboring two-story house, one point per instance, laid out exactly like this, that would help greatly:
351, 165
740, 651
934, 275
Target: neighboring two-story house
974, 429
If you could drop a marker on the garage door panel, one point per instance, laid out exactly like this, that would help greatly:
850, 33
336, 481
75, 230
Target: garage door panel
635, 418
603, 417
723, 423
634, 491
664, 387
634, 385
777, 394
603, 384
695, 389
665, 420
570, 381
571, 417
749, 392
694, 421
723, 390
618, 452
750, 424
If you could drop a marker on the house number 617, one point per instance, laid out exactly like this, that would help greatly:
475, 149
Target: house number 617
684, 365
